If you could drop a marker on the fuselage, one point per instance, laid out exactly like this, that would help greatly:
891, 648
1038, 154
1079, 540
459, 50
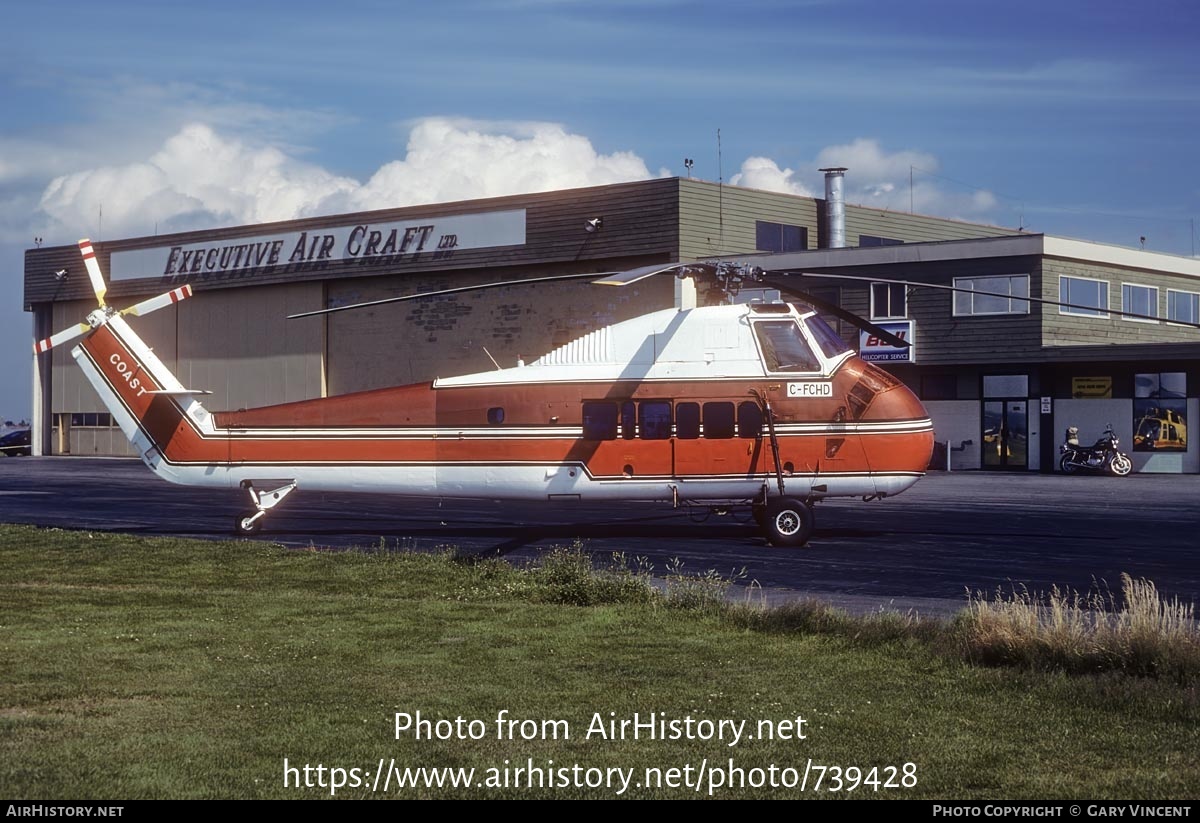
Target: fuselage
704, 404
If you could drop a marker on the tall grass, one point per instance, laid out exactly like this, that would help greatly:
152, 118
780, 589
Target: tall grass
1138, 632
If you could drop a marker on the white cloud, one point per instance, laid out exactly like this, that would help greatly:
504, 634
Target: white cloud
896, 181
199, 178
764, 173
456, 160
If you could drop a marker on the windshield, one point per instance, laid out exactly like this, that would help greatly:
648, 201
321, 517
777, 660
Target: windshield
784, 348
826, 337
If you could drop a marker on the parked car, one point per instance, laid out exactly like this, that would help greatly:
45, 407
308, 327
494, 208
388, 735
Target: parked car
16, 443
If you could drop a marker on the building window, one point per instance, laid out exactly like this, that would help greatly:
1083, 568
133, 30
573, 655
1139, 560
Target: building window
889, 301
872, 240
939, 387
91, 420
1183, 306
1160, 412
1140, 300
779, 237
982, 296
1088, 298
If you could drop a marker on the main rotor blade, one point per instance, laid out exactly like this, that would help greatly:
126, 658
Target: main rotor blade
624, 278
944, 287
93, 270
439, 292
837, 311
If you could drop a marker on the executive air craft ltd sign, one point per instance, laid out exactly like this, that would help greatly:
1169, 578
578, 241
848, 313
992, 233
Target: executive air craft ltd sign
363, 242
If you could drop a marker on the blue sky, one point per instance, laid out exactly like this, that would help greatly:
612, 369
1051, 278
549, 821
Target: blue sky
1070, 118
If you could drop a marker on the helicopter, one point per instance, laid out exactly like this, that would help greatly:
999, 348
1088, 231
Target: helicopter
758, 405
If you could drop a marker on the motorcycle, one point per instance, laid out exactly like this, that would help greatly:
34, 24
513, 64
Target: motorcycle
1102, 456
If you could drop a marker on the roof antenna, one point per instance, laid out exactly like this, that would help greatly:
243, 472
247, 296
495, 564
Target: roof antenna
720, 197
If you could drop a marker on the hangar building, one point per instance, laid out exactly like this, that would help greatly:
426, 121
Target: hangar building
1006, 375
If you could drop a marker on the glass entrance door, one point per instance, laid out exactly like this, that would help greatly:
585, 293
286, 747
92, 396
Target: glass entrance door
1005, 434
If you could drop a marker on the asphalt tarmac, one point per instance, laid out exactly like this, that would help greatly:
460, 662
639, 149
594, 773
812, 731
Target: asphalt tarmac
922, 550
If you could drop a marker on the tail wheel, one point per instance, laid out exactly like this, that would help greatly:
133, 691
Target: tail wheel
1120, 465
1067, 465
788, 522
247, 523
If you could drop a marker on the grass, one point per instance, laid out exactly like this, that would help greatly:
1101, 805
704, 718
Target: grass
1137, 632
138, 668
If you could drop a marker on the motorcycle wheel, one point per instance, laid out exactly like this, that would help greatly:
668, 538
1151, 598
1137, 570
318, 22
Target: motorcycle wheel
1120, 465
1067, 466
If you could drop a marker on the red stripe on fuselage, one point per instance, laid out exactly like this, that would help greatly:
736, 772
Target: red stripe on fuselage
162, 418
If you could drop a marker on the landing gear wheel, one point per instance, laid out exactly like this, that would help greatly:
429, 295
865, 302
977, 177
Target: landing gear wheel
1067, 466
245, 525
1120, 465
789, 522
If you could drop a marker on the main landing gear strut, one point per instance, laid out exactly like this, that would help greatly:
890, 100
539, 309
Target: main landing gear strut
786, 521
251, 520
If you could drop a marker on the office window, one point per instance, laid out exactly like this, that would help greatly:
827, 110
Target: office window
998, 294
779, 237
889, 301
872, 240
1183, 306
1088, 298
1140, 300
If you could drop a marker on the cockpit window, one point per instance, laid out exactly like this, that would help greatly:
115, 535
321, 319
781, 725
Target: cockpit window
826, 337
784, 348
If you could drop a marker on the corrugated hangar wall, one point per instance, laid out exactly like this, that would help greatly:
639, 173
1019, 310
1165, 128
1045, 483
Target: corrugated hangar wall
237, 344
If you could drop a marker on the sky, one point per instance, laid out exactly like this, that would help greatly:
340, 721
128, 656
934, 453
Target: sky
133, 118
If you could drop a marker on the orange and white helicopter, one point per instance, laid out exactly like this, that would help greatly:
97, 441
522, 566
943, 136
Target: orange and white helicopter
760, 405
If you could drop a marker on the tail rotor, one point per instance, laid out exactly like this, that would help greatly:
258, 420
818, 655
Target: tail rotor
100, 316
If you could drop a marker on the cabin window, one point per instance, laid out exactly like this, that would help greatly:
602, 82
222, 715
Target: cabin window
654, 419
495, 415
784, 349
750, 420
599, 421
628, 420
687, 421
718, 421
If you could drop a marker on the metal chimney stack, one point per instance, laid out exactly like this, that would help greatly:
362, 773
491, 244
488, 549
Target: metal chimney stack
835, 209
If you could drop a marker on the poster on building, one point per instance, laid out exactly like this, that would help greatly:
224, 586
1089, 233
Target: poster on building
1160, 412
1092, 388
872, 349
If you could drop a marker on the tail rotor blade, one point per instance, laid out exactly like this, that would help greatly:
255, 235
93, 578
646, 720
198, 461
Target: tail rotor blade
62, 337
93, 270
99, 318
160, 302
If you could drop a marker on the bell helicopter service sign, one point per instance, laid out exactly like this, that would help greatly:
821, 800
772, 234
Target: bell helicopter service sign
379, 243
872, 349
